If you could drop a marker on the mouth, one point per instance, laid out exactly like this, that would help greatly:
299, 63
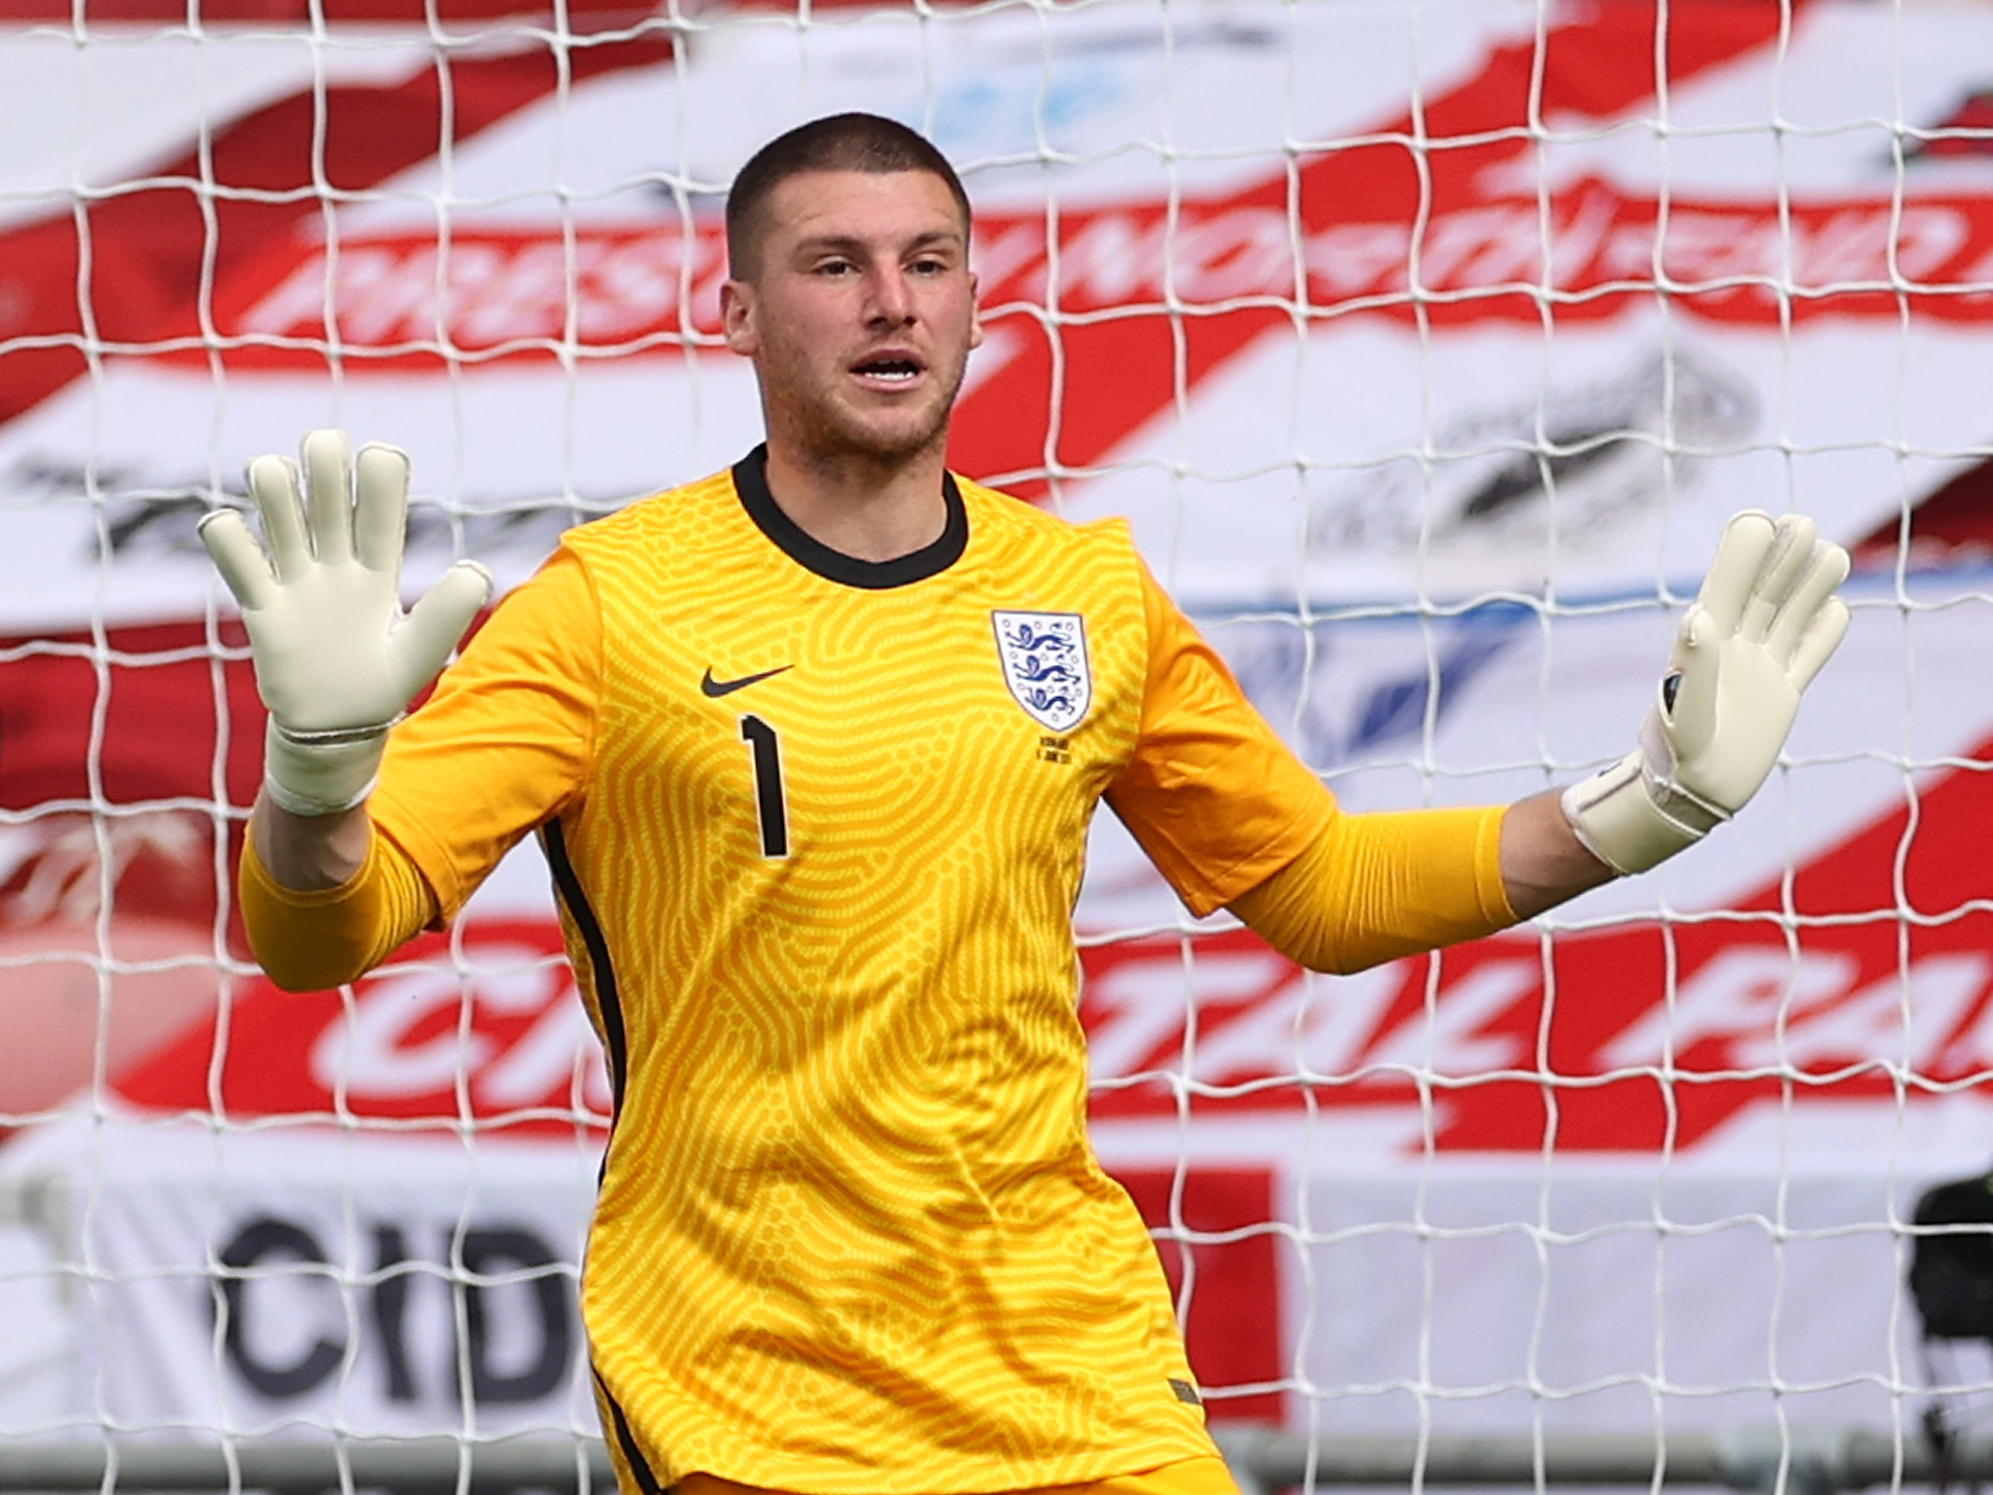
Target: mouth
889, 370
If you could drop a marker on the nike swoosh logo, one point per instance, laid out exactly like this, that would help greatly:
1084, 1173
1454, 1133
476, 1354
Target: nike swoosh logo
717, 688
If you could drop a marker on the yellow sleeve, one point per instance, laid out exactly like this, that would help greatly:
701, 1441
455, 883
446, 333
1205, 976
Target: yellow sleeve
506, 742
312, 941
1377, 886
1211, 793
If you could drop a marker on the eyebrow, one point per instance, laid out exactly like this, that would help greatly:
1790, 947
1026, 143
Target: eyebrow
850, 243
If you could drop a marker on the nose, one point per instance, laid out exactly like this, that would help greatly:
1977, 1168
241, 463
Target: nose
891, 299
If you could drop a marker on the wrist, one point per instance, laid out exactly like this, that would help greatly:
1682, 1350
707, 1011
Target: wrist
311, 860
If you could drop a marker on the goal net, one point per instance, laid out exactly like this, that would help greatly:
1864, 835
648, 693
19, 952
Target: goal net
1426, 345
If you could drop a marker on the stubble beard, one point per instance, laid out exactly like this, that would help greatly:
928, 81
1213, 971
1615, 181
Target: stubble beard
828, 434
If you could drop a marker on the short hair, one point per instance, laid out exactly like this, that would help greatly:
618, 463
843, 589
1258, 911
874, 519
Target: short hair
837, 142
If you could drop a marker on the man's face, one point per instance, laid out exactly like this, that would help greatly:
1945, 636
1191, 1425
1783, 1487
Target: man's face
859, 312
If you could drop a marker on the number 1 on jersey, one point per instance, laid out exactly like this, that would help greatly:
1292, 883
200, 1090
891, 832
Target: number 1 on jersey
768, 805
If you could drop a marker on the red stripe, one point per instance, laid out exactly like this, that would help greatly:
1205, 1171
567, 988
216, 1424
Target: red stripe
1577, 1062
149, 243
1116, 376
626, 289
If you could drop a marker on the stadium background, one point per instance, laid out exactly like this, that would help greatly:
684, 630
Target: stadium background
1426, 345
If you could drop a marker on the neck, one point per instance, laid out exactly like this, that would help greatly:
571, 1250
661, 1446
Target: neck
871, 509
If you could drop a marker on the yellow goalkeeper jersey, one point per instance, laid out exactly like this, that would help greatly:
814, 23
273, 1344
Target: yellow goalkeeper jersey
817, 829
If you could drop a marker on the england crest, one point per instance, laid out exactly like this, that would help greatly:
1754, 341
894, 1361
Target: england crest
1045, 665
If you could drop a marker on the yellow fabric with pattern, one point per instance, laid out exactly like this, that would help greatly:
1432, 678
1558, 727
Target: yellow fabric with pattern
1383, 885
817, 859
317, 940
1206, 1476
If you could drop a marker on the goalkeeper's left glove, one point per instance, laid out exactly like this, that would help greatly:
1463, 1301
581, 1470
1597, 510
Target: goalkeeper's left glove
1763, 624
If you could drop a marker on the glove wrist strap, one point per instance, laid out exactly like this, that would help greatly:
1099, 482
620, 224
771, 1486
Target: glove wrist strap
321, 773
1632, 818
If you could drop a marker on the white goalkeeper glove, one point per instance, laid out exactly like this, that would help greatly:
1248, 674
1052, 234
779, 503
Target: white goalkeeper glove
1763, 624
337, 661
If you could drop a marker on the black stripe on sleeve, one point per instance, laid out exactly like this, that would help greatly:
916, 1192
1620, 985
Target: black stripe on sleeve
627, 1441
553, 842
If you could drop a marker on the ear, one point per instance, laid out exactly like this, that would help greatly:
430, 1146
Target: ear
975, 312
737, 317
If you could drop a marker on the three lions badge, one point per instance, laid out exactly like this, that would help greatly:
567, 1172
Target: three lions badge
1045, 665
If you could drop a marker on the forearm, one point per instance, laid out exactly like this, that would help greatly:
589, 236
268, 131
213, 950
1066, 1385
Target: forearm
1378, 886
1543, 862
309, 938
308, 853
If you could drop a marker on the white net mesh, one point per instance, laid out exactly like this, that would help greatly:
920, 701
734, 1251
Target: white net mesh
1425, 346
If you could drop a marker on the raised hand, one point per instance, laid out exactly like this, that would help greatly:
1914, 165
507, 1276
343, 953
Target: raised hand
337, 660
1764, 622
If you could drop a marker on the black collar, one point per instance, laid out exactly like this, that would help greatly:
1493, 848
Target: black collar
751, 483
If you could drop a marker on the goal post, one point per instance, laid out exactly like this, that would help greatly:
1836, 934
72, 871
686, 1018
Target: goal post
1424, 345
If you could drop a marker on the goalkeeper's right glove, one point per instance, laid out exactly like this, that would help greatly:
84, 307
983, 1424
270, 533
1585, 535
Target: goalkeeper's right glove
337, 661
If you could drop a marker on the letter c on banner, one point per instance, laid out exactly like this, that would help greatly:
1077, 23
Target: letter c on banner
260, 1238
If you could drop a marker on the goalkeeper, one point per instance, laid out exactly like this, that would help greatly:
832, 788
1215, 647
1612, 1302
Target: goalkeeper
811, 746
